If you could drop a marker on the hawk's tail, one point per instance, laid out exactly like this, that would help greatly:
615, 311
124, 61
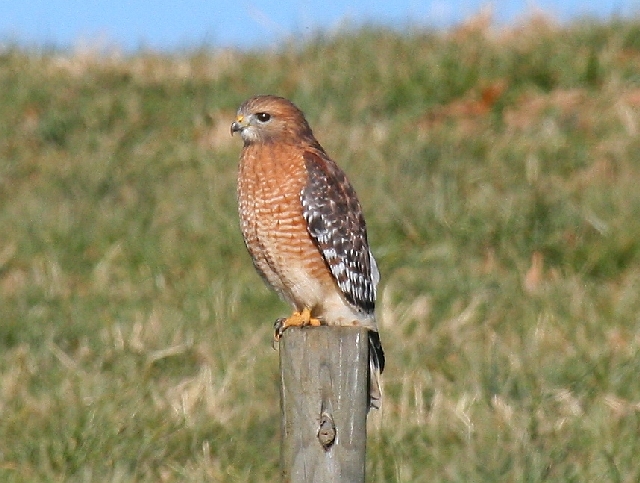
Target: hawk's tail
376, 366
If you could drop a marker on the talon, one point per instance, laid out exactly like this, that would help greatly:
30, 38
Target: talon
278, 327
297, 319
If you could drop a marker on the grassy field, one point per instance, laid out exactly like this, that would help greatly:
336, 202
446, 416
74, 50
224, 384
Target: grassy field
500, 176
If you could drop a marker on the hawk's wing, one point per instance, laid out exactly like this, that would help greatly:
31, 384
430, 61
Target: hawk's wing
336, 225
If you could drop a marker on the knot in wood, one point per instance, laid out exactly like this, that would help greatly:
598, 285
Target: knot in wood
327, 430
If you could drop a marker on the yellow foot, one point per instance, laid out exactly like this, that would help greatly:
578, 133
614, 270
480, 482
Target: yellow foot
297, 319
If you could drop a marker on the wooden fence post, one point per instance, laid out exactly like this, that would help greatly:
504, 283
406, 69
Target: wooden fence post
324, 400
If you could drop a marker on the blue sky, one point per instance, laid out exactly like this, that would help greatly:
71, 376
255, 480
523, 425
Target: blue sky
174, 25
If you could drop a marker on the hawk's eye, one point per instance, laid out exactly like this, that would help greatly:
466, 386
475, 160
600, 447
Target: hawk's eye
263, 116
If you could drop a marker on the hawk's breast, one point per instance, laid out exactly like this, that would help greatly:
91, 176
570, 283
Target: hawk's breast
270, 181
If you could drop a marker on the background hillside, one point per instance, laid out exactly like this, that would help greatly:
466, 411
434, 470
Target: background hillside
500, 176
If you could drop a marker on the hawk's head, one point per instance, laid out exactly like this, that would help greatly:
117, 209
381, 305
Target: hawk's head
267, 119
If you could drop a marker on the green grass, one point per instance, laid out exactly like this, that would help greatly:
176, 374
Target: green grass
499, 175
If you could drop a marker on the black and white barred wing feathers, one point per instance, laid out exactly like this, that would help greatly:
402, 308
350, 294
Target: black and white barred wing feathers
336, 225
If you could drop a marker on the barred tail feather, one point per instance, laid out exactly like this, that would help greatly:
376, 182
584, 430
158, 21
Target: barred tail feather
376, 366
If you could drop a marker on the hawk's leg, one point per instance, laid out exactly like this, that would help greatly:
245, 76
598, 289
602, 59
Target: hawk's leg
297, 319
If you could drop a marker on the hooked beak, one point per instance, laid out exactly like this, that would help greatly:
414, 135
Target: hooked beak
238, 125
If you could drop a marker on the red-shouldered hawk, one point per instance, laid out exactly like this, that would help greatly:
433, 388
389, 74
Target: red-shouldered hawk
303, 225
